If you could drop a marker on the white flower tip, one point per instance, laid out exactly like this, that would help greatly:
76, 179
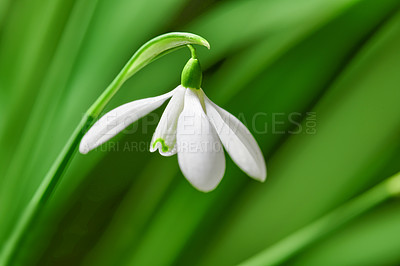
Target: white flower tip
84, 147
262, 175
262, 178
204, 187
152, 149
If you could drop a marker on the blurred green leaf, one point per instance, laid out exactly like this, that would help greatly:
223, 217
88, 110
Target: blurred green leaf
314, 173
27, 45
356, 244
268, 57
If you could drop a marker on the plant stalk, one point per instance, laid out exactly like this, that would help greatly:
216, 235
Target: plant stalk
42, 194
146, 54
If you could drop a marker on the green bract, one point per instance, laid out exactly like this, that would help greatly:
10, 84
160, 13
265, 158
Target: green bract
160, 46
146, 54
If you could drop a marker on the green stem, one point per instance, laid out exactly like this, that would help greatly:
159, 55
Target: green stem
149, 52
192, 51
298, 241
43, 193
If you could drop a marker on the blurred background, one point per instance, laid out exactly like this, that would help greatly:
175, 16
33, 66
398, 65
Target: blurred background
316, 81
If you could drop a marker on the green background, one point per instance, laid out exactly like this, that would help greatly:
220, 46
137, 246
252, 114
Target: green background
338, 59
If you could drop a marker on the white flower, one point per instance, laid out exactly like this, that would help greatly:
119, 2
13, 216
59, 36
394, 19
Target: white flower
193, 127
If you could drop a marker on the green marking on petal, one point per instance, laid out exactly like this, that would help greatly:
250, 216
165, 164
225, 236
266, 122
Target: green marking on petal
164, 147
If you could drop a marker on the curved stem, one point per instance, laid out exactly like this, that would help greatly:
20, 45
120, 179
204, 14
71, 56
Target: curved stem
146, 54
149, 52
192, 51
296, 242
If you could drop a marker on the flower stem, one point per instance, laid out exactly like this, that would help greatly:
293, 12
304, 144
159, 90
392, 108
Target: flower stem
192, 51
149, 52
298, 241
42, 194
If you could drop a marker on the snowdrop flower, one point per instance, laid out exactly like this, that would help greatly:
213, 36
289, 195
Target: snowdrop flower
191, 126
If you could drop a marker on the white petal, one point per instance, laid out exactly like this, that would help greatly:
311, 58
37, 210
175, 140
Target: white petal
200, 153
164, 138
237, 140
118, 119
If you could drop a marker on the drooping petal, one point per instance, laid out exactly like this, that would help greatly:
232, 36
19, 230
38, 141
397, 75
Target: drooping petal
164, 138
237, 140
200, 153
118, 119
